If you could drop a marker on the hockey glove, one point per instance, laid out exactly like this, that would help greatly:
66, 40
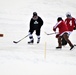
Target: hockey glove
74, 28
57, 35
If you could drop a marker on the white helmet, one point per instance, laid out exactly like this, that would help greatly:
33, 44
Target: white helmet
68, 14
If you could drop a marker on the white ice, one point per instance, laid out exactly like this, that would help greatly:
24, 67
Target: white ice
36, 59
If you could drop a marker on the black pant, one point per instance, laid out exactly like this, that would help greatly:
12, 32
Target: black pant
37, 32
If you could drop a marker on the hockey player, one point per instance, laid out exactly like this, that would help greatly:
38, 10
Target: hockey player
71, 24
35, 25
63, 32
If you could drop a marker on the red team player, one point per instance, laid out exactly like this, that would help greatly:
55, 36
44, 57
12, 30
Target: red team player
71, 22
63, 32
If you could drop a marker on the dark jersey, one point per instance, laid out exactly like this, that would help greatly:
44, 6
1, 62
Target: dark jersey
36, 24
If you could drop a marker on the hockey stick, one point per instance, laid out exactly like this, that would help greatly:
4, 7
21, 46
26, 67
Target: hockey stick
20, 39
49, 33
74, 44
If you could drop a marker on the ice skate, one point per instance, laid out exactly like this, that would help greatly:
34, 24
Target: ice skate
31, 42
38, 41
71, 47
58, 47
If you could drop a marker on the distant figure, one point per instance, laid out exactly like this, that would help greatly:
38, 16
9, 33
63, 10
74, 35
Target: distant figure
35, 25
63, 32
1, 35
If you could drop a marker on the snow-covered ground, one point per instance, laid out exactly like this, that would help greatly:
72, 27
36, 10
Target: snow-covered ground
36, 59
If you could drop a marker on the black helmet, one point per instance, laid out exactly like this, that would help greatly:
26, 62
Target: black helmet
34, 13
59, 19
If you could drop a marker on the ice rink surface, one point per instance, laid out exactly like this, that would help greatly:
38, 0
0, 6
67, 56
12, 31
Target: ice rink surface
36, 59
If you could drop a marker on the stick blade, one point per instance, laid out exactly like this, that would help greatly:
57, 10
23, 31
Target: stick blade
46, 33
74, 44
15, 42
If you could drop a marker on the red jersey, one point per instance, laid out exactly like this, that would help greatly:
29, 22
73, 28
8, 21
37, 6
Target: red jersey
61, 26
71, 23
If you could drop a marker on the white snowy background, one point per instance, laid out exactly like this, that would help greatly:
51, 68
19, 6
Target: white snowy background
36, 59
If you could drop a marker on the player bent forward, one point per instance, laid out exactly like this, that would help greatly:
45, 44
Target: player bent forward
63, 32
